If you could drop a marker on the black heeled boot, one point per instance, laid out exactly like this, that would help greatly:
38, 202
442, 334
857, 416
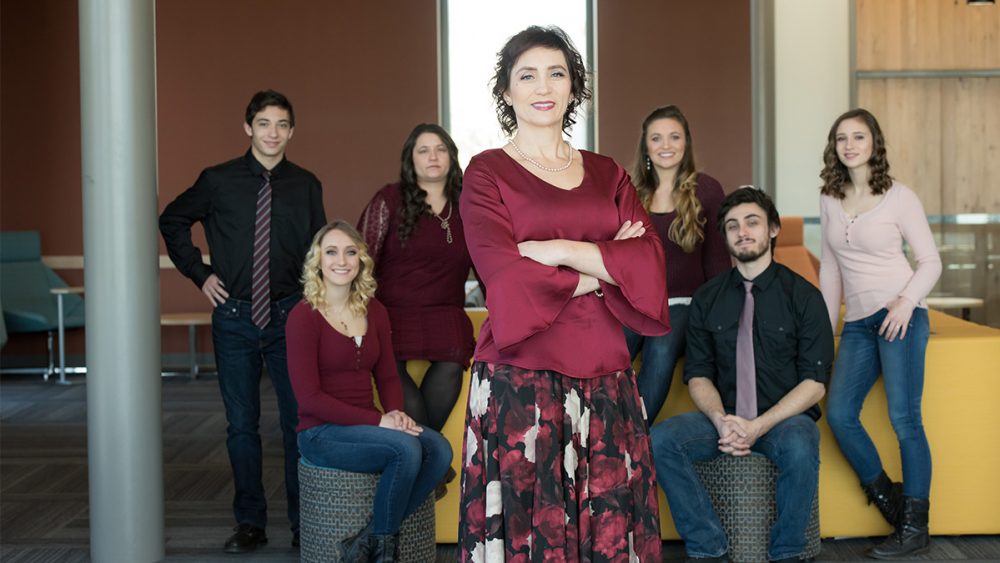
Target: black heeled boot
357, 548
385, 548
887, 497
911, 537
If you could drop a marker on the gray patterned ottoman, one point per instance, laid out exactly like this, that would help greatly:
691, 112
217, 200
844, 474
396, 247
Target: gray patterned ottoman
335, 504
742, 492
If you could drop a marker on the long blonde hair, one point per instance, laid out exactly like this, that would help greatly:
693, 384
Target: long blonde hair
688, 230
362, 288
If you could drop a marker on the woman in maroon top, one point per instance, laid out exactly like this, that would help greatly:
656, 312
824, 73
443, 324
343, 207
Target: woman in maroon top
556, 461
338, 338
682, 204
414, 231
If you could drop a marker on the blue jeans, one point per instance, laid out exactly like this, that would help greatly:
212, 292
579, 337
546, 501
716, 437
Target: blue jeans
659, 357
862, 356
411, 466
240, 352
793, 445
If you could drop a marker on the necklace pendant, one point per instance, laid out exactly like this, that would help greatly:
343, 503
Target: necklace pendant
447, 236
445, 225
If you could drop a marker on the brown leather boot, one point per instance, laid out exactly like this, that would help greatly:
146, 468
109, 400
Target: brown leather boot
887, 497
911, 537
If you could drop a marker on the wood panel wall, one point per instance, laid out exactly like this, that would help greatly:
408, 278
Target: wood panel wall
943, 133
926, 34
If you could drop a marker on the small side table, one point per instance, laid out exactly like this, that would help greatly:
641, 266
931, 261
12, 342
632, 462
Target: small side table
966, 304
60, 293
192, 321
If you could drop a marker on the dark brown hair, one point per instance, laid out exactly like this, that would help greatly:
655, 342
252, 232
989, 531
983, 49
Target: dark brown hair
750, 194
549, 37
414, 203
835, 175
266, 98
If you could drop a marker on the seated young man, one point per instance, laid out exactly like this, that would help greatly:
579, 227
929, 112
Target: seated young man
759, 351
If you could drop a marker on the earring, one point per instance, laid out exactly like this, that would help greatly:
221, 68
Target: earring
649, 164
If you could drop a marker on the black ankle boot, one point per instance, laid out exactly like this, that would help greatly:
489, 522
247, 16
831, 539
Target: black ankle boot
357, 548
887, 497
911, 537
385, 549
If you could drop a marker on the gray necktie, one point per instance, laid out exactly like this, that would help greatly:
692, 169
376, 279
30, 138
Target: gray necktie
746, 369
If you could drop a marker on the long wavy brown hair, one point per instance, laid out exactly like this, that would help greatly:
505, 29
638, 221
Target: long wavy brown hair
362, 288
688, 230
414, 202
835, 175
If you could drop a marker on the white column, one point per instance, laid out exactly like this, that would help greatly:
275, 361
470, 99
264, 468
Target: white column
124, 426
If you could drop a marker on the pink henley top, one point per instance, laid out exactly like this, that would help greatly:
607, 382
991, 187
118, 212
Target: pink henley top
863, 260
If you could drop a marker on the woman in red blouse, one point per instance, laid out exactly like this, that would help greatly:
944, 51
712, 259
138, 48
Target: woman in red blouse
556, 461
414, 231
338, 339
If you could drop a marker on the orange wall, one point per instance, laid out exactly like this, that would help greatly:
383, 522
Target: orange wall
359, 80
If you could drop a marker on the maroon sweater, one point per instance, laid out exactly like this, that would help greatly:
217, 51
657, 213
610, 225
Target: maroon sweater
686, 271
332, 376
421, 283
534, 320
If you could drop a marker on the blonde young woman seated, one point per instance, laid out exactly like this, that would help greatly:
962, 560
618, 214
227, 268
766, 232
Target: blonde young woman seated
338, 339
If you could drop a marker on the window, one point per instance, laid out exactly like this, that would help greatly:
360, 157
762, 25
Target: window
472, 33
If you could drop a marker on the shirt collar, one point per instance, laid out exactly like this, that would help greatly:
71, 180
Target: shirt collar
763, 280
257, 169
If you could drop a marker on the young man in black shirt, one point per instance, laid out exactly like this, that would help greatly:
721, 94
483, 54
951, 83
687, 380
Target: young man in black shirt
759, 352
259, 212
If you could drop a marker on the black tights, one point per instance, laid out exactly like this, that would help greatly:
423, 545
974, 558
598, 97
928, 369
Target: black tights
432, 402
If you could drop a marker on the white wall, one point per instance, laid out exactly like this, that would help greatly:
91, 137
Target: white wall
812, 87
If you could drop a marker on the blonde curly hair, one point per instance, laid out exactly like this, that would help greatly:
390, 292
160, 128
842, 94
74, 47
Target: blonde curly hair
362, 288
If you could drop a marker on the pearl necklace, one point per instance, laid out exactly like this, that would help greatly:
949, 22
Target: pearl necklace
444, 222
545, 168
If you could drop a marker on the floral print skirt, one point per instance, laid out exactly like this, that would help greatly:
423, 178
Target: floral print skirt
556, 468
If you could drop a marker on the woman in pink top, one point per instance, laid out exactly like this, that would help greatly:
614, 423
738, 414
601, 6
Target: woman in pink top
338, 342
556, 463
866, 216
683, 205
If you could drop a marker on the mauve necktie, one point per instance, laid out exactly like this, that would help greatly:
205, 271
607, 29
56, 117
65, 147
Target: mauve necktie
746, 369
260, 288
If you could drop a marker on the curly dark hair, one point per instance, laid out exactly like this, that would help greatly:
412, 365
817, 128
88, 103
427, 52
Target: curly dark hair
835, 175
414, 203
551, 38
688, 230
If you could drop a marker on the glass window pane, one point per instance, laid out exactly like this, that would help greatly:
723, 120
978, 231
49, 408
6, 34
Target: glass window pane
475, 31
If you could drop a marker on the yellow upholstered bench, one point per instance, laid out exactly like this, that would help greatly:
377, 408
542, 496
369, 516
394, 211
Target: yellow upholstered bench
961, 388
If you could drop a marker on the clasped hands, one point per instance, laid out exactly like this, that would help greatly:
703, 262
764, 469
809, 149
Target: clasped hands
737, 434
399, 420
555, 252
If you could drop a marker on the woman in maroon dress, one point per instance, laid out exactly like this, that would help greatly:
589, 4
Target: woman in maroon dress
414, 233
556, 462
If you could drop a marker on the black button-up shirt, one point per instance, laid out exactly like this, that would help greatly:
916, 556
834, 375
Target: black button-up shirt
224, 199
792, 338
